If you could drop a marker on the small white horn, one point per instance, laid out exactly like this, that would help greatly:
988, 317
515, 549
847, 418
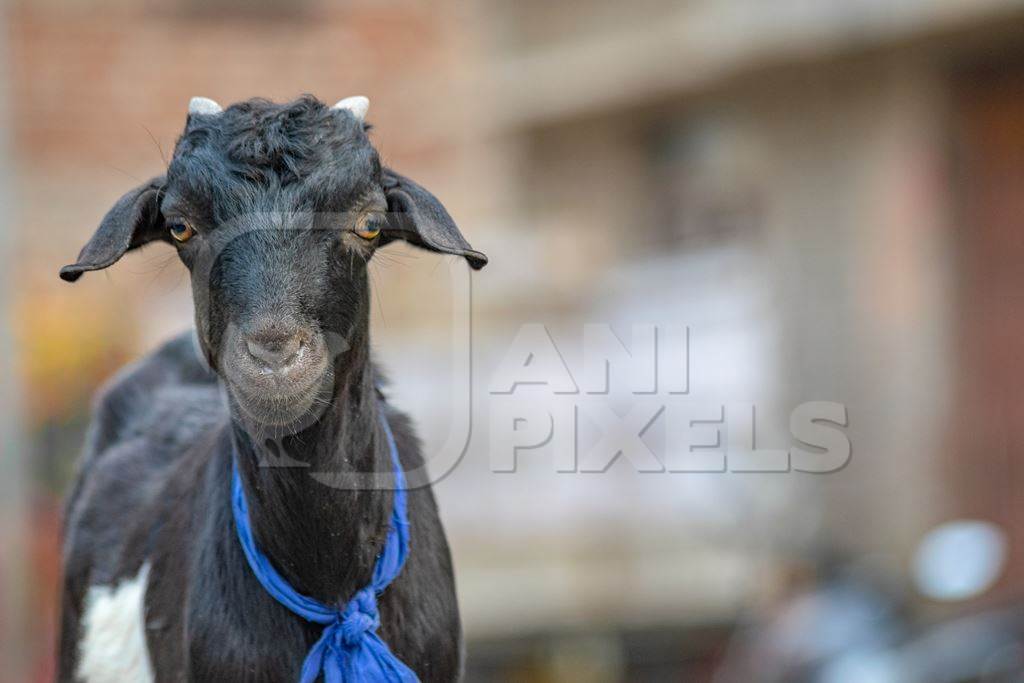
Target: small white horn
203, 105
357, 104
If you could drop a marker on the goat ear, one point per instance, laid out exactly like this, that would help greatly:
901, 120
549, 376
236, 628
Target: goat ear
133, 221
420, 219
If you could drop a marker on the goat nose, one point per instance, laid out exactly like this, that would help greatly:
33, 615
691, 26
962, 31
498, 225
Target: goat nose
275, 349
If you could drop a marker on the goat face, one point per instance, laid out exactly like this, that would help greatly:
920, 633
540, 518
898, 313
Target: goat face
276, 211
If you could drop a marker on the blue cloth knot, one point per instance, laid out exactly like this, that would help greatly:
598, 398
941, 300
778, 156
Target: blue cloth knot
349, 648
360, 616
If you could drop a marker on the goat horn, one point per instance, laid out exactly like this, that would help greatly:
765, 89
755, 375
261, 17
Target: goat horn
357, 104
203, 105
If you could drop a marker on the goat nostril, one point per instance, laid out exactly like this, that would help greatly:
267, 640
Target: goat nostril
275, 352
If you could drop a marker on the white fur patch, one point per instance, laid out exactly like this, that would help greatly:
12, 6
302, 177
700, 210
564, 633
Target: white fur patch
113, 643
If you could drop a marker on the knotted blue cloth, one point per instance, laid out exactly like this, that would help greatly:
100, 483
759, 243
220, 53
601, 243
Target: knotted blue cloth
349, 649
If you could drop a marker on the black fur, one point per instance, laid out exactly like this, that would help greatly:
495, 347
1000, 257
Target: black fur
154, 478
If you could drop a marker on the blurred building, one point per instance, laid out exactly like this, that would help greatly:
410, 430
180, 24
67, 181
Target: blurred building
828, 194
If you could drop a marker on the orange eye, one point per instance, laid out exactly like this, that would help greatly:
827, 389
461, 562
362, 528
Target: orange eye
181, 231
368, 228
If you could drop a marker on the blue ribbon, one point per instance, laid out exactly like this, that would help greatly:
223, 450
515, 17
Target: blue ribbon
349, 649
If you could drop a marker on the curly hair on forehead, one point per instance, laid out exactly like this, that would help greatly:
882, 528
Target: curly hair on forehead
258, 138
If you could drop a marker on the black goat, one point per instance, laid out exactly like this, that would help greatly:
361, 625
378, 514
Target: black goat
275, 210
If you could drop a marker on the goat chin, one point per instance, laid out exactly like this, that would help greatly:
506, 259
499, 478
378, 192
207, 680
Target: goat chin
285, 412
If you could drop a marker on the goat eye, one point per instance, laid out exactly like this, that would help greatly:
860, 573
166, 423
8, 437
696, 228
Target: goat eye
181, 231
368, 229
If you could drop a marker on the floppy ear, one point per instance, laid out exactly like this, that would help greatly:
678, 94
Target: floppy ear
133, 221
418, 218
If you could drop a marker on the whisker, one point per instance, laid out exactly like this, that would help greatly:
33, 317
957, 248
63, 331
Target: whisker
124, 172
156, 142
376, 294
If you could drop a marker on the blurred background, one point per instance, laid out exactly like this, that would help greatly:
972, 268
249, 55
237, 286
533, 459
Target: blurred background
829, 194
